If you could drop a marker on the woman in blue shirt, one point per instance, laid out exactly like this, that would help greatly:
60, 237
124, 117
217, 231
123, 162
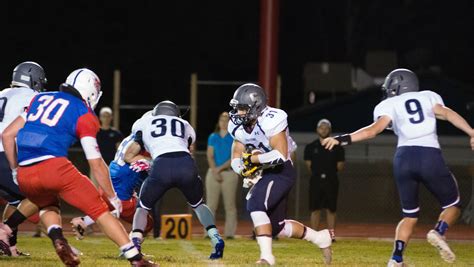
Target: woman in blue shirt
220, 178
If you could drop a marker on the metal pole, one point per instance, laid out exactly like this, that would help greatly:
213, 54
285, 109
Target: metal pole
116, 104
194, 100
268, 54
278, 92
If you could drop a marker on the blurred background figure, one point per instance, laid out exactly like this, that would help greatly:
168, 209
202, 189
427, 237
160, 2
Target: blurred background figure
220, 178
324, 185
108, 138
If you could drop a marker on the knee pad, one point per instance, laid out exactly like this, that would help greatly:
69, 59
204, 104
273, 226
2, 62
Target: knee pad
259, 218
287, 230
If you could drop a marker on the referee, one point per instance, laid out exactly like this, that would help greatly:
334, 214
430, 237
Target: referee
324, 185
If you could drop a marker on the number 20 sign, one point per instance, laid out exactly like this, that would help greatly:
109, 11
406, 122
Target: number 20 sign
176, 226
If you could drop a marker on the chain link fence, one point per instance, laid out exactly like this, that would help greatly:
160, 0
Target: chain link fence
367, 190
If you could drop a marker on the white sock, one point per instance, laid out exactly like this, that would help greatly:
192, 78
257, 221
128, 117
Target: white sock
129, 250
138, 235
88, 220
320, 238
265, 244
213, 234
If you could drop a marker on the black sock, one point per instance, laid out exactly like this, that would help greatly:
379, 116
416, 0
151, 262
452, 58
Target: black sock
398, 251
12, 239
56, 233
210, 227
15, 219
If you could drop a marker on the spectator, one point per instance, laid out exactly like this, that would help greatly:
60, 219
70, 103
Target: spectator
220, 178
108, 138
324, 184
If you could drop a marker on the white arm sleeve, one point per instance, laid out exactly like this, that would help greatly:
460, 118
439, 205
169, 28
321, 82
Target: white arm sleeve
273, 157
236, 165
91, 148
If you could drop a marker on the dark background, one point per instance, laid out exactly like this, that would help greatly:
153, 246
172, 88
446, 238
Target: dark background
158, 44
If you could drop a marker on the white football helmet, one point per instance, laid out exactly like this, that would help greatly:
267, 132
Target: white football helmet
87, 83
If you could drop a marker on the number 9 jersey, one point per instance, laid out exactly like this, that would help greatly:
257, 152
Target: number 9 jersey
54, 121
413, 118
163, 134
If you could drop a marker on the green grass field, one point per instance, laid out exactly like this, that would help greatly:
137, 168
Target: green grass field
99, 251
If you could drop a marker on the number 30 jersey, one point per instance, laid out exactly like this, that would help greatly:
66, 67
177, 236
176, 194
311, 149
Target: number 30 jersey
54, 121
413, 118
13, 102
163, 134
270, 123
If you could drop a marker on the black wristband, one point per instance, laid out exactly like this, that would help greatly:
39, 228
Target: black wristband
344, 139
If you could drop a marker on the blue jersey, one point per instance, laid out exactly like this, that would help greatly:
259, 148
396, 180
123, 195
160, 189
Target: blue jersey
124, 180
54, 121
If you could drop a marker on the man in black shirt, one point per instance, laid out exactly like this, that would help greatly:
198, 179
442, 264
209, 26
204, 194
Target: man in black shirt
108, 138
324, 165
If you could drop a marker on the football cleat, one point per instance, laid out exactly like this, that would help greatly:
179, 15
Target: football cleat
262, 262
78, 227
137, 243
17, 253
218, 250
143, 263
394, 263
439, 242
65, 253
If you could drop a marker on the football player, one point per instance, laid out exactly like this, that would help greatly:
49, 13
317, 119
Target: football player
255, 125
418, 160
168, 137
28, 79
43, 134
125, 180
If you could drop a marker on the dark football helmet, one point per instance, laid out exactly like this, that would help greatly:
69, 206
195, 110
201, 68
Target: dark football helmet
29, 74
398, 82
166, 108
251, 98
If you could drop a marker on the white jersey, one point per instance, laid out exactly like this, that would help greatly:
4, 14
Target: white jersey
413, 118
270, 123
122, 148
164, 134
13, 102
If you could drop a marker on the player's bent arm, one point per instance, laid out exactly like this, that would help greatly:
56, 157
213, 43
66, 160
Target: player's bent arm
445, 113
99, 169
9, 142
236, 163
101, 173
278, 154
132, 153
362, 134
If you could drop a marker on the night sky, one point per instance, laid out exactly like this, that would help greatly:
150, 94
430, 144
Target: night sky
158, 44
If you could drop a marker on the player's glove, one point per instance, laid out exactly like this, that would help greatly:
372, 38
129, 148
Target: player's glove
14, 176
117, 204
249, 167
141, 165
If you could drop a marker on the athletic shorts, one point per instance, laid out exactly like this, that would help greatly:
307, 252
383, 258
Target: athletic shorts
45, 182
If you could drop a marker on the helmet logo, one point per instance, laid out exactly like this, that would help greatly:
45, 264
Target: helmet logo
97, 84
253, 97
